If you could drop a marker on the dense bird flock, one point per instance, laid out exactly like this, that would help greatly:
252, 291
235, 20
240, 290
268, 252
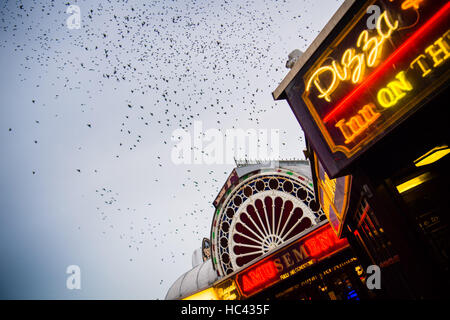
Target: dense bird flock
110, 94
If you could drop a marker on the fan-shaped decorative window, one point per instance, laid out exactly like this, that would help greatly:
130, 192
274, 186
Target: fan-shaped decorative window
259, 215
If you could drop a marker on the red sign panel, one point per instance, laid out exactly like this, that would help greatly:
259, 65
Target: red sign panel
376, 72
299, 255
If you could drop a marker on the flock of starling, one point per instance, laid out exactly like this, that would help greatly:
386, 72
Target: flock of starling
143, 69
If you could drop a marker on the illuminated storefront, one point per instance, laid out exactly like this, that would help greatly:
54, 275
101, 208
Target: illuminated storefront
270, 239
371, 93
295, 270
316, 266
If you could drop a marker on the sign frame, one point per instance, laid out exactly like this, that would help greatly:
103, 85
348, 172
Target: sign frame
338, 160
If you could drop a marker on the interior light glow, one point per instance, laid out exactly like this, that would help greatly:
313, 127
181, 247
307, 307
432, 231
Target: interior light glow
432, 156
413, 182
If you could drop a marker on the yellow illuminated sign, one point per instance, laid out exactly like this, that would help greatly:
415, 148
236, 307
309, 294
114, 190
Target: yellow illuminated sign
333, 195
352, 66
227, 290
387, 97
432, 156
411, 4
358, 123
207, 294
394, 91
366, 81
410, 184
439, 51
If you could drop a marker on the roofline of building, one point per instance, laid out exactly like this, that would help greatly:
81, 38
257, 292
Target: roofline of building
279, 93
257, 165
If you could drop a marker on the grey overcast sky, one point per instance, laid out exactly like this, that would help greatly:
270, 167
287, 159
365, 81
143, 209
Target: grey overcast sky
86, 120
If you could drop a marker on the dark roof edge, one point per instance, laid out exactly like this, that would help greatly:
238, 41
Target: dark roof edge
278, 94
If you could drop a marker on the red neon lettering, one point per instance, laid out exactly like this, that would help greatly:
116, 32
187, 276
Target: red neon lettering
268, 270
259, 276
265, 272
256, 277
321, 243
247, 283
325, 242
312, 247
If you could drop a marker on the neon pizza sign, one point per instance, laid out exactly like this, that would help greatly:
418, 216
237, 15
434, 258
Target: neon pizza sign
367, 81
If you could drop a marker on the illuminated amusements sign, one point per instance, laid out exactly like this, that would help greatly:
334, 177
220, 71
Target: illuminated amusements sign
284, 263
367, 80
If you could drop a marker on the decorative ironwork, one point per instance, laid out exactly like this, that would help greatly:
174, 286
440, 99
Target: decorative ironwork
259, 214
